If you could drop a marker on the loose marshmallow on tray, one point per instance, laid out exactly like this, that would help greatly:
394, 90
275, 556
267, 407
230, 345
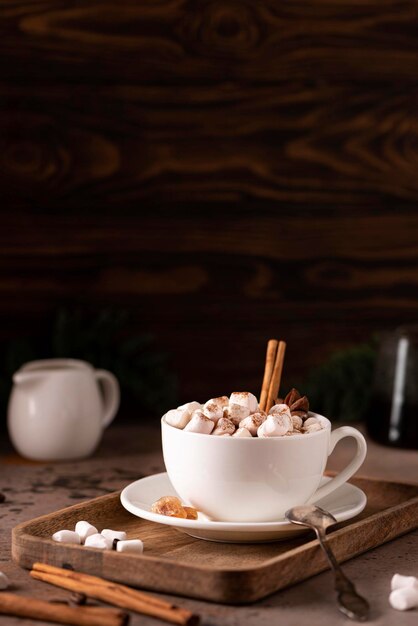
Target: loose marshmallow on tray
98, 541
200, 424
130, 545
213, 408
224, 427
84, 530
120, 535
275, 425
181, 416
106, 540
67, 536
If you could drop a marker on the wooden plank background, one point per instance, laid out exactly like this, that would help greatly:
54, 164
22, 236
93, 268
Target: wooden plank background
226, 169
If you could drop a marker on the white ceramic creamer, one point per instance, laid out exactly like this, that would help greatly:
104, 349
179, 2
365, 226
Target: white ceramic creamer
58, 408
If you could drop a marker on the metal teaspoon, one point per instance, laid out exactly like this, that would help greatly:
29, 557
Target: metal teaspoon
349, 601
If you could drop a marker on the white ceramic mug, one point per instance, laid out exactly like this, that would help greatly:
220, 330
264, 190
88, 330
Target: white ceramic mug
57, 410
235, 479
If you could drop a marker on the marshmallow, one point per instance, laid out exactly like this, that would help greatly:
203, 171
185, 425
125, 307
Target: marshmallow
66, 536
84, 530
253, 422
280, 409
213, 408
242, 432
181, 416
236, 413
244, 399
313, 428
312, 425
113, 534
399, 582
224, 427
4, 581
310, 421
130, 545
98, 541
404, 599
176, 418
297, 422
189, 407
275, 426
200, 424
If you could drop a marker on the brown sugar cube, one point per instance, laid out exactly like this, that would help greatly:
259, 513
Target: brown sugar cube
190, 512
170, 506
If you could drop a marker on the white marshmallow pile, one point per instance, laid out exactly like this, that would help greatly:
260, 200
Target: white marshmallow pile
240, 416
86, 534
404, 592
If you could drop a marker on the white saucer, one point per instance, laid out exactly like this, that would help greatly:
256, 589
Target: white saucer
137, 498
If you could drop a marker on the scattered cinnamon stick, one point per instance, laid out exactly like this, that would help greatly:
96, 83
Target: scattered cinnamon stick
114, 593
268, 371
276, 376
22, 606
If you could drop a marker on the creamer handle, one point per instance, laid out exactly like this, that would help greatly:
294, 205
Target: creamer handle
111, 395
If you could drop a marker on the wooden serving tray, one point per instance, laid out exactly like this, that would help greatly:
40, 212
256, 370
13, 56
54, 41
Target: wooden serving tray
227, 573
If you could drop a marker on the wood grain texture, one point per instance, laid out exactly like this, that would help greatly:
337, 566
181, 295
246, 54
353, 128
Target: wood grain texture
208, 101
249, 167
107, 146
228, 573
183, 40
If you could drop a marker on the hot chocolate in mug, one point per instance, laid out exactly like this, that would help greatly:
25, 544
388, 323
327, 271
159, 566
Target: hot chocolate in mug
235, 479
58, 408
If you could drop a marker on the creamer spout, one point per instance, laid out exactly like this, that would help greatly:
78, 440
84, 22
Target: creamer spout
21, 377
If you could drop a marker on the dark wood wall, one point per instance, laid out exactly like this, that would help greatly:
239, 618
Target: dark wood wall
226, 169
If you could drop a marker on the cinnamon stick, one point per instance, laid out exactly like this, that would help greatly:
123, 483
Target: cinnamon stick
276, 376
22, 606
113, 593
268, 371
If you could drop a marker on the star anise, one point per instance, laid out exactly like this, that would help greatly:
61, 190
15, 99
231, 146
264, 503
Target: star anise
298, 405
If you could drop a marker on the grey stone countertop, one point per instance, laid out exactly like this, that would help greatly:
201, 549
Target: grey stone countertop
127, 453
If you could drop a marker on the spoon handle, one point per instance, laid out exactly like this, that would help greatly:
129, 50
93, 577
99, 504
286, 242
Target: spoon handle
349, 601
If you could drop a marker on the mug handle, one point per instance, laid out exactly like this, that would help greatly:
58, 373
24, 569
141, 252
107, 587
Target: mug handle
111, 395
352, 467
